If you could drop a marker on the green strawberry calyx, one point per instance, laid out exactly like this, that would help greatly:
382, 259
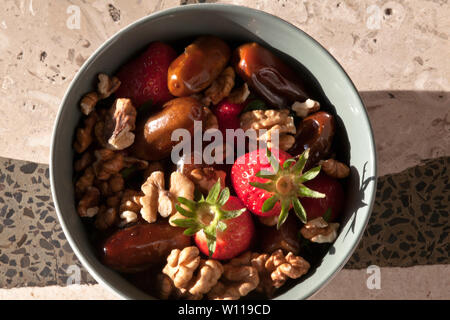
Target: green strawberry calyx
286, 185
206, 214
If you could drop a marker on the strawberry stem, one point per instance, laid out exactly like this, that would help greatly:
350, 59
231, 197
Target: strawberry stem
206, 214
285, 184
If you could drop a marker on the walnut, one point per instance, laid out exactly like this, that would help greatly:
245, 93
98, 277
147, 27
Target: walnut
239, 278
302, 109
239, 95
84, 182
319, 231
88, 102
107, 86
84, 162
221, 87
284, 267
191, 274
335, 169
129, 207
84, 135
273, 121
276, 268
139, 164
165, 289
107, 164
211, 121
88, 205
157, 199
123, 113
268, 221
106, 218
205, 178
181, 265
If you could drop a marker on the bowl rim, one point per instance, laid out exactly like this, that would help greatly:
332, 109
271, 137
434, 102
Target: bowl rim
227, 9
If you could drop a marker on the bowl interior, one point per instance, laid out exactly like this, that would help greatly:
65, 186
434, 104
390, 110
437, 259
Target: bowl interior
239, 24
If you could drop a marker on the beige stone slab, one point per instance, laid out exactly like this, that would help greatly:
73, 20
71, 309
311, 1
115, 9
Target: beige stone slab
384, 46
424, 282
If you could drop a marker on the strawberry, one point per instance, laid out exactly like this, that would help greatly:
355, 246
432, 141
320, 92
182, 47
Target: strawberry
227, 114
221, 225
270, 186
145, 78
334, 197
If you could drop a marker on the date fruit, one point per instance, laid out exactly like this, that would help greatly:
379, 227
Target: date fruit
153, 136
196, 68
268, 75
141, 246
315, 132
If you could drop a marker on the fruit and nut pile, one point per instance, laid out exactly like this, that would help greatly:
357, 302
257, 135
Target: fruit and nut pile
196, 229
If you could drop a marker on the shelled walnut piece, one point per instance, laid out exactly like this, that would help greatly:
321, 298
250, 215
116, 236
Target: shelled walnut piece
303, 109
239, 95
107, 163
320, 231
157, 199
275, 269
238, 279
205, 178
114, 128
275, 122
107, 85
335, 169
84, 135
88, 205
220, 88
190, 274
123, 113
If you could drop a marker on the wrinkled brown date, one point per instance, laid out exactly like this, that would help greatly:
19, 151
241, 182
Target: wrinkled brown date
138, 247
315, 132
153, 135
286, 238
268, 75
196, 68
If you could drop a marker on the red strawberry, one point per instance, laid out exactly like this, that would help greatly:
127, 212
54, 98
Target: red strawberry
145, 78
334, 197
271, 186
227, 114
235, 239
222, 226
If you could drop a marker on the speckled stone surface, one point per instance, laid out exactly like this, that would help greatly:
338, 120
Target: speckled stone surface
409, 226
33, 248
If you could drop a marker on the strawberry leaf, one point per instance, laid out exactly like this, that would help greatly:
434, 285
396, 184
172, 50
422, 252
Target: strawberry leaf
309, 175
268, 186
308, 193
185, 223
222, 226
299, 210
300, 164
213, 194
184, 212
288, 163
273, 161
224, 196
269, 203
192, 205
266, 174
285, 204
225, 215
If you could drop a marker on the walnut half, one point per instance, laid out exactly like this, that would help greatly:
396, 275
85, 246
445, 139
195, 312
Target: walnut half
157, 199
274, 121
319, 231
123, 114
